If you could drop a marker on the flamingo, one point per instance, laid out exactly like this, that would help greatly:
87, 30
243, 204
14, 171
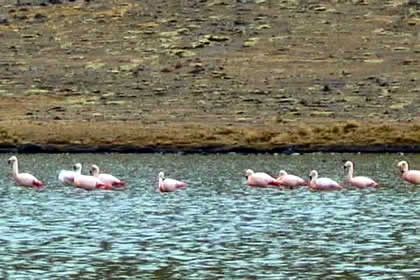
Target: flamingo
106, 178
358, 181
23, 179
87, 182
66, 177
169, 185
259, 179
322, 184
411, 176
289, 180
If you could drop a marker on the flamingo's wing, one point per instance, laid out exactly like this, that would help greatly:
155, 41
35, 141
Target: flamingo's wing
262, 179
362, 181
110, 179
293, 181
88, 182
170, 185
412, 176
327, 183
66, 177
29, 180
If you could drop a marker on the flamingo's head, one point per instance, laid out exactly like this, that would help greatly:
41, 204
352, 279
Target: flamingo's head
77, 167
282, 173
348, 164
11, 160
313, 174
161, 175
403, 165
94, 169
248, 173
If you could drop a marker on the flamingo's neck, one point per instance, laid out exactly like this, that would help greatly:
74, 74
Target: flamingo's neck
350, 173
312, 181
160, 186
78, 172
15, 169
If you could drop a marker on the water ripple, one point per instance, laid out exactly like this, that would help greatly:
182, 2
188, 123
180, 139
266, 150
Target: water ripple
216, 228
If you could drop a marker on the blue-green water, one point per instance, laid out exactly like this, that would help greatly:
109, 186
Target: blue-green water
217, 228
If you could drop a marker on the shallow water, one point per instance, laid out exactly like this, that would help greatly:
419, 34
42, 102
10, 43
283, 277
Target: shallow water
216, 228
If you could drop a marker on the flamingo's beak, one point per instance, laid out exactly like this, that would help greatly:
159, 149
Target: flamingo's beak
310, 177
91, 172
9, 162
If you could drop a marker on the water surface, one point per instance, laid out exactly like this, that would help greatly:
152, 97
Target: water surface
216, 228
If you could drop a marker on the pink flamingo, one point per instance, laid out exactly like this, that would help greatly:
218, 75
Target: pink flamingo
87, 182
108, 179
411, 176
289, 180
169, 185
259, 179
358, 181
322, 184
23, 179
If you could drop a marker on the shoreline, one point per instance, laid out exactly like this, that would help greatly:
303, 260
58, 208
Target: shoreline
338, 136
287, 150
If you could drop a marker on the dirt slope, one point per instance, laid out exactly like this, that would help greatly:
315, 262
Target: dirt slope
210, 75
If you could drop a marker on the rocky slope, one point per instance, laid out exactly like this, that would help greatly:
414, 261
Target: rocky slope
210, 75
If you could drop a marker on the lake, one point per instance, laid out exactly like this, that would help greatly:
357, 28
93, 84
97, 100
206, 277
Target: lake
215, 228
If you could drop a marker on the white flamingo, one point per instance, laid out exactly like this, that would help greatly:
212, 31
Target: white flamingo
411, 176
259, 179
87, 182
106, 178
23, 179
289, 180
358, 181
66, 177
169, 185
322, 184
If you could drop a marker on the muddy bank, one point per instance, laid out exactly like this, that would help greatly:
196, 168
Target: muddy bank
124, 137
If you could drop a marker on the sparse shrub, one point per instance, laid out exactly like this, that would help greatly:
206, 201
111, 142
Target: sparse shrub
350, 126
335, 130
303, 131
385, 128
4, 134
317, 130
